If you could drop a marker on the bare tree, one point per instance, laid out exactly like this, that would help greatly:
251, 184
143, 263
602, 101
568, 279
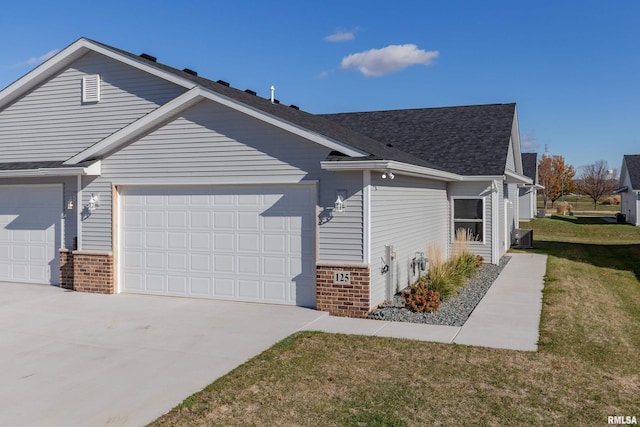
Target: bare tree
597, 180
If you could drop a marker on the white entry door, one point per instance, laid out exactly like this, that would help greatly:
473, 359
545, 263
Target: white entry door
241, 243
29, 233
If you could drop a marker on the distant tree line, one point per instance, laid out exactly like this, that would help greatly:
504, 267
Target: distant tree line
558, 179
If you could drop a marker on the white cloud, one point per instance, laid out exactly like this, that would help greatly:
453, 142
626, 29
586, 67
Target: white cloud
341, 35
390, 59
528, 142
322, 75
35, 60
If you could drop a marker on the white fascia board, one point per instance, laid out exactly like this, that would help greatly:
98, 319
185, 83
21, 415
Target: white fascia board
71, 53
516, 178
93, 170
515, 141
392, 165
477, 178
186, 100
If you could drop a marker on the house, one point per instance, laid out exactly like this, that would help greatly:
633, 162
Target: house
121, 174
630, 188
528, 192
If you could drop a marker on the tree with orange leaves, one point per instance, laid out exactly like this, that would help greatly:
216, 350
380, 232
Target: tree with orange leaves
553, 172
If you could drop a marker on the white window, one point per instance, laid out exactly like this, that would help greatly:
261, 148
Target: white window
91, 88
468, 213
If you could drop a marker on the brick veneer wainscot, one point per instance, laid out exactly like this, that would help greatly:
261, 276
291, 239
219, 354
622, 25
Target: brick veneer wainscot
343, 300
86, 271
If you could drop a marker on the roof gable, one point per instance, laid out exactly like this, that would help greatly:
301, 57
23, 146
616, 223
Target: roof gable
469, 140
530, 166
632, 163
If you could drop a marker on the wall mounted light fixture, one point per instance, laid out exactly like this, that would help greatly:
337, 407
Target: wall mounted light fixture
94, 201
388, 174
339, 204
71, 203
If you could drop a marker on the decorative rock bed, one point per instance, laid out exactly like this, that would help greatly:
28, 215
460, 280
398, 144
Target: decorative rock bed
452, 312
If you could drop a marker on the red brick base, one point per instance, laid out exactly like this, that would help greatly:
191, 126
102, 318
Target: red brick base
350, 300
86, 271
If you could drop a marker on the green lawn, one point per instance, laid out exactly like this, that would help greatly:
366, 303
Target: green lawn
586, 369
581, 204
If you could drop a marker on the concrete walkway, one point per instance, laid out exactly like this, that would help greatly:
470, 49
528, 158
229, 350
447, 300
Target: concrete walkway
507, 317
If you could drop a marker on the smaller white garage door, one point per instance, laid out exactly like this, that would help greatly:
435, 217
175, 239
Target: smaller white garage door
29, 233
242, 243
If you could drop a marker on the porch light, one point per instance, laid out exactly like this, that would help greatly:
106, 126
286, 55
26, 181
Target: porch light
339, 205
94, 201
71, 204
388, 174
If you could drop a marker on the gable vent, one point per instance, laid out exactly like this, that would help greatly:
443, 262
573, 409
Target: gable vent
223, 83
190, 71
251, 92
91, 88
149, 57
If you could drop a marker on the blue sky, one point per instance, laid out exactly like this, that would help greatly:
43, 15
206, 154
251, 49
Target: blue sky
573, 67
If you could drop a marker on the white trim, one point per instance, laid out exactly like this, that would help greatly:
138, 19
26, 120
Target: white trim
516, 178
366, 219
200, 183
393, 165
484, 218
94, 170
188, 99
79, 213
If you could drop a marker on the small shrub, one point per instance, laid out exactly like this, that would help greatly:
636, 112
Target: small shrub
564, 207
479, 261
611, 200
440, 274
422, 299
465, 264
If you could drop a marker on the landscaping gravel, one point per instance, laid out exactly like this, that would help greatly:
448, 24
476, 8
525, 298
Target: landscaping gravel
452, 312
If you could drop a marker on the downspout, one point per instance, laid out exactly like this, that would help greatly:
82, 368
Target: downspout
495, 223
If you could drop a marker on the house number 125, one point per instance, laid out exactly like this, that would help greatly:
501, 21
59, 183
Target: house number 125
341, 277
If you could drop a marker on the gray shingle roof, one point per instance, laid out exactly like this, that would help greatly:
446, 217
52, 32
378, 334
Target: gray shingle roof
633, 167
470, 140
529, 165
315, 123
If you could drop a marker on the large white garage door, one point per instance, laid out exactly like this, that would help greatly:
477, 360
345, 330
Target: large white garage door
29, 233
242, 243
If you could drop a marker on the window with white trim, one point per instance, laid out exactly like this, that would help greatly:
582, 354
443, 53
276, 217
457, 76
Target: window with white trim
91, 88
468, 213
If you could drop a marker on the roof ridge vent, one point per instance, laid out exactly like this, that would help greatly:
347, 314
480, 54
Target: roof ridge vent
251, 92
276, 101
223, 83
148, 57
295, 107
190, 71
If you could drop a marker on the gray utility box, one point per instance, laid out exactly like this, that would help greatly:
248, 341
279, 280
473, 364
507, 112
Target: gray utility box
523, 238
541, 213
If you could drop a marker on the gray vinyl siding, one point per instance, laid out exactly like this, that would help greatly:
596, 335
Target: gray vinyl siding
52, 123
511, 162
96, 224
480, 190
213, 144
526, 202
512, 220
408, 213
69, 192
340, 233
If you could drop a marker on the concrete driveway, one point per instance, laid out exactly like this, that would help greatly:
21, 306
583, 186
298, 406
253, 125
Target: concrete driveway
79, 359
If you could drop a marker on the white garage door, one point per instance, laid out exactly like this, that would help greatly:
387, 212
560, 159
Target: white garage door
242, 243
29, 233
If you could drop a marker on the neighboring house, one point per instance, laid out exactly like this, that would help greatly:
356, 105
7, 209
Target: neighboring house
120, 174
630, 188
528, 192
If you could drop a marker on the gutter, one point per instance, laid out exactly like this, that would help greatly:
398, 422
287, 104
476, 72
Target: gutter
94, 170
392, 165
